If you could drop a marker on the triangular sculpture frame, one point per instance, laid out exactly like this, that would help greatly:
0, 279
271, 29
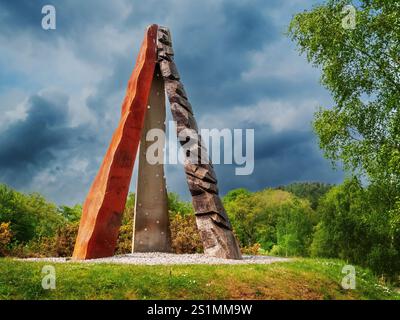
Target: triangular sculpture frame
143, 108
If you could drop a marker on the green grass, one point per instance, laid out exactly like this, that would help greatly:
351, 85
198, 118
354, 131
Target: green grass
298, 279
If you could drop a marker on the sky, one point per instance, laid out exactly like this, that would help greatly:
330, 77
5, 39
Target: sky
61, 90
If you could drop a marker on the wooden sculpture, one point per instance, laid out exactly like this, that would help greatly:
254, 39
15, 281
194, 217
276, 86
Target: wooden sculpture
143, 109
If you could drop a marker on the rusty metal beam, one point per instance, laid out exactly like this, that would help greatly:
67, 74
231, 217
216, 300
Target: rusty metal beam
105, 202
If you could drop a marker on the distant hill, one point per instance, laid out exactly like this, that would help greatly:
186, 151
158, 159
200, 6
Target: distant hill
312, 191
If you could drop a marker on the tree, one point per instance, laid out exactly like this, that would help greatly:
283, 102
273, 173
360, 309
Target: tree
30, 216
361, 68
270, 217
71, 214
294, 230
312, 191
353, 226
177, 206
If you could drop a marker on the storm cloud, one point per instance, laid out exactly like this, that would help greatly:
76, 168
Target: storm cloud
61, 90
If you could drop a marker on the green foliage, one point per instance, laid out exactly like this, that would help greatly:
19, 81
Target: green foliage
176, 205
184, 234
71, 214
303, 279
5, 238
361, 68
354, 225
30, 216
129, 211
312, 191
270, 217
294, 230
65, 239
236, 193
124, 244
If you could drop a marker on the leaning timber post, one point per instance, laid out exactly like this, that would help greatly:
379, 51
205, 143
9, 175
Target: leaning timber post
211, 218
151, 232
105, 202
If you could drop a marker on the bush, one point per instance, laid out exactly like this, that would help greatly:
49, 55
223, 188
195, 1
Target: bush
65, 239
356, 225
270, 217
251, 250
124, 244
184, 234
5, 237
177, 206
30, 216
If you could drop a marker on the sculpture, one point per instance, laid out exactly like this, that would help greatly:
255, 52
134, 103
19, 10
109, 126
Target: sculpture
143, 108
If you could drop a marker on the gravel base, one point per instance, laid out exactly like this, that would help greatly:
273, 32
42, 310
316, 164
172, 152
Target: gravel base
161, 258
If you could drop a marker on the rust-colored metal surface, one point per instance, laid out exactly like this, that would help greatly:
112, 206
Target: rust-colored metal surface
105, 202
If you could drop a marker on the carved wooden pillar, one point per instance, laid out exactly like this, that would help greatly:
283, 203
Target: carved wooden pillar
212, 220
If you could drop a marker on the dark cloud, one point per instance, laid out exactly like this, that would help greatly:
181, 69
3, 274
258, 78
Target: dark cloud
29, 145
281, 159
214, 42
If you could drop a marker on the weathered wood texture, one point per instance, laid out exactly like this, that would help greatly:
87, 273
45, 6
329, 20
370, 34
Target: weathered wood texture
151, 231
212, 220
105, 202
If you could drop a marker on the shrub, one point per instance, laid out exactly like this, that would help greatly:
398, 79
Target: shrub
356, 225
31, 216
251, 250
177, 206
270, 217
5, 237
184, 234
65, 239
124, 244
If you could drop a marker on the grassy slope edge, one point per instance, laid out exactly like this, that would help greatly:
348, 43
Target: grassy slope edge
299, 279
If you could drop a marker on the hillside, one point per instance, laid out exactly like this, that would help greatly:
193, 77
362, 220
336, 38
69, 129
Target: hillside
300, 279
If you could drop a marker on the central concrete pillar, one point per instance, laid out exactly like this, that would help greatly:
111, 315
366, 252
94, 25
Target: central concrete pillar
151, 231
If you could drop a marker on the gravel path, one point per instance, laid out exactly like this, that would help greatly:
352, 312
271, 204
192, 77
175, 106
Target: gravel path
159, 258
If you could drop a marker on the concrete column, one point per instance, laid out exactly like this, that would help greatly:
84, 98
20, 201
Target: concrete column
151, 231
